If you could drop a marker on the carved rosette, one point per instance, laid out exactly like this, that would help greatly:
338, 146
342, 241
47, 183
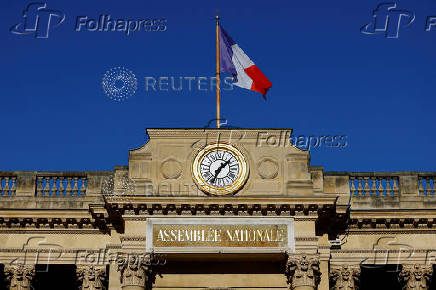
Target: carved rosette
20, 276
303, 271
137, 272
345, 277
415, 277
91, 277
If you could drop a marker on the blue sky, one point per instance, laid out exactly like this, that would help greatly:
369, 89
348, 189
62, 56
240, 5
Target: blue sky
328, 79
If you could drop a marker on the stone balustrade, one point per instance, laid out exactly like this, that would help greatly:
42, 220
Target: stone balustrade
8, 184
74, 185
52, 184
381, 184
427, 184
360, 185
364, 190
374, 185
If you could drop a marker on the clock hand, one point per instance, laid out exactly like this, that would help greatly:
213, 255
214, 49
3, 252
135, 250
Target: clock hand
218, 170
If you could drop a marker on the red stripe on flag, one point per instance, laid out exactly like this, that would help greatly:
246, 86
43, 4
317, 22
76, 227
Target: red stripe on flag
260, 83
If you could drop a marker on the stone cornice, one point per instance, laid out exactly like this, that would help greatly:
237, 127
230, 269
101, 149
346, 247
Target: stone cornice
322, 199
422, 219
296, 205
202, 132
393, 213
47, 219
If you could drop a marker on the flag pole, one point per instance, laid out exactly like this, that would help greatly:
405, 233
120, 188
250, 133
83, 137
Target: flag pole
217, 72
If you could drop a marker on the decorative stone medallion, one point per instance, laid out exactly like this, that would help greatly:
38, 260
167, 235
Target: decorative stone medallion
268, 168
171, 169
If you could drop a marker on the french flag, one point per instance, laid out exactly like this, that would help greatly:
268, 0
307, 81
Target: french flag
234, 61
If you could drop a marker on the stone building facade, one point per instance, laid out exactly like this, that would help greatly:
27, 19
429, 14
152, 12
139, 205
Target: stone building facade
217, 209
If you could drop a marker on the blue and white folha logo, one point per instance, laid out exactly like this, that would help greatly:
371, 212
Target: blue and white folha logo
38, 20
119, 83
387, 19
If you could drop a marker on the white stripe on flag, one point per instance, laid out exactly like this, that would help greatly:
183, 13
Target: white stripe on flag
241, 61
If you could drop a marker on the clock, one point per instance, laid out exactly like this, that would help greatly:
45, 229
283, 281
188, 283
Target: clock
220, 169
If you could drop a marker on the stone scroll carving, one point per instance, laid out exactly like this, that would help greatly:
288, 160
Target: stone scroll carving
303, 271
91, 277
345, 277
416, 277
20, 276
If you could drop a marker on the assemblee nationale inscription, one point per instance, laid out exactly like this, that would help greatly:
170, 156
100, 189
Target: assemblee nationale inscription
239, 235
220, 234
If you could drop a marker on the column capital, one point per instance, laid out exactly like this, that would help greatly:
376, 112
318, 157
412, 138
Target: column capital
138, 272
415, 276
303, 271
91, 277
345, 277
19, 276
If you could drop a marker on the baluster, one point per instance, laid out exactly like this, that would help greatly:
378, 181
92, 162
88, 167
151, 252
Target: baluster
381, 189
83, 187
75, 188
434, 185
396, 186
366, 186
427, 186
6, 188
54, 189
373, 188
359, 187
352, 187
39, 187
421, 187
61, 186
69, 189
14, 185
388, 186
47, 186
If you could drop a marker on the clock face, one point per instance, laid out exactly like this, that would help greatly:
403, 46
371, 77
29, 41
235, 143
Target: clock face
220, 169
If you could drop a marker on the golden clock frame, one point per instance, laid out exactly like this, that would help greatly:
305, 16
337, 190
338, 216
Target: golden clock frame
210, 189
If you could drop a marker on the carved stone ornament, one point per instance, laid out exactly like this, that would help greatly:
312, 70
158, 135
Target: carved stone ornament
137, 272
303, 271
171, 169
345, 277
268, 168
415, 277
91, 277
20, 276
